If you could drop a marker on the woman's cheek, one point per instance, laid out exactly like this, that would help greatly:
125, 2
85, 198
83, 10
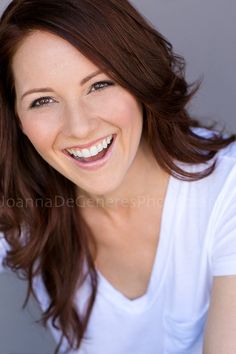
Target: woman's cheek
39, 133
116, 106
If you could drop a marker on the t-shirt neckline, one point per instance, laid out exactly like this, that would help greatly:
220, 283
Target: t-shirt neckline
140, 304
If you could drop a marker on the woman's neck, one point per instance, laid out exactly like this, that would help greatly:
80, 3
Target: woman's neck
144, 184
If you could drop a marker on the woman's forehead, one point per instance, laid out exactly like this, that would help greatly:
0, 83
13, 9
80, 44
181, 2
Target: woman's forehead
42, 45
43, 55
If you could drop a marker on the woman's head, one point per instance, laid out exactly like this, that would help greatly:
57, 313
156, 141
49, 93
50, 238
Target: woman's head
75, 104
112, 38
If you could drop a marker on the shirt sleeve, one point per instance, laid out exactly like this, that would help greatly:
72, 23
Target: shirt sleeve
3, 251
224, 230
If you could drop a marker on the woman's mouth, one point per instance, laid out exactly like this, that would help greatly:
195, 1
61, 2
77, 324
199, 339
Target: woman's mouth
100, 153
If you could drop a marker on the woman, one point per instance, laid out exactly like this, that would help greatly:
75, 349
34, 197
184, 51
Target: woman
122, 217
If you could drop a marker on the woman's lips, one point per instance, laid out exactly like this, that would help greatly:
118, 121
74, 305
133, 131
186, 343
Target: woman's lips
89, 145
93, 165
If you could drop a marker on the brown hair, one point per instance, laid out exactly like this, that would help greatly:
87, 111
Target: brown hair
115, 37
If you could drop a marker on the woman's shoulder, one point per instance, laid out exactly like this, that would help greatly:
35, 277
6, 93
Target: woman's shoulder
225, 165
224, 159
218, 185
228, 151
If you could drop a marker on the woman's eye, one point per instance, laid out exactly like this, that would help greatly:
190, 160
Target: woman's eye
100, 85
42, 101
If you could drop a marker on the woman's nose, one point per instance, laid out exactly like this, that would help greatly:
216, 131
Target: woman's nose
79, 122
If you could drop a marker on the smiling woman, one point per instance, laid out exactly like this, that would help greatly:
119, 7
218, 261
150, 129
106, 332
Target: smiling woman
93, 113
84, 108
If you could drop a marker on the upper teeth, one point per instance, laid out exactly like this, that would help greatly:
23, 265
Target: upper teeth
93, 150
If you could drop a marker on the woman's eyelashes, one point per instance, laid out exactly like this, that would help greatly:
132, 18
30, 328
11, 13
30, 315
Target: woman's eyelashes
44, 101
100, 85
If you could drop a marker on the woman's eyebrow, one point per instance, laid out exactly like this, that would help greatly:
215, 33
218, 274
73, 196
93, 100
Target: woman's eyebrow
48, 89
89, 77
43, 89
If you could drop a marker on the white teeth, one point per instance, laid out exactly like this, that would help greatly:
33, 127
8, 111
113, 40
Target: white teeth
99, 147
93, 151
104, 143
76, 153
85, 153
108, 139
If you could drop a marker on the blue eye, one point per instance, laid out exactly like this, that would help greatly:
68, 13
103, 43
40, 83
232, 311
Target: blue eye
101, 85
42, 101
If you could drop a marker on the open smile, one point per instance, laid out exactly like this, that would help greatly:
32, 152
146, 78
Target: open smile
94, 157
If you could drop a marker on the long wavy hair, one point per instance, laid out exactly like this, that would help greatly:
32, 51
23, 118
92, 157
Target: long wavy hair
115, 37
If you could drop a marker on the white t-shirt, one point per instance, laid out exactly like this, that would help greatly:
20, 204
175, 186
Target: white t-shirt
197, 242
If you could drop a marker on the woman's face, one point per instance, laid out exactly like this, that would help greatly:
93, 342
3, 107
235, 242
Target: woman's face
61, 106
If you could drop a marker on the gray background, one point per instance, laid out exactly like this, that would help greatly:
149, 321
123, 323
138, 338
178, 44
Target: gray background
203, 31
